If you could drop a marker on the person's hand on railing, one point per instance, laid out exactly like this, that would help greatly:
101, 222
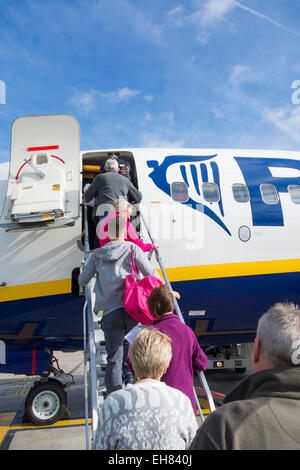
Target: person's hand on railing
156, 246
175, 294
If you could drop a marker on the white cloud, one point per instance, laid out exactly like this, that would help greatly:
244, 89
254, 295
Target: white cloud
204, 18
160, 131
244, 73
148, 117
175, 10
176, 15
209, 15
215, 11
4, 157
122, 94
148, 98
128, 16
287, 119
264, 17
84, 101
165, 118
156, 140
284, 118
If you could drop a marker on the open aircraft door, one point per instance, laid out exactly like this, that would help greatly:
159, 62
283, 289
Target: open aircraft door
44, 180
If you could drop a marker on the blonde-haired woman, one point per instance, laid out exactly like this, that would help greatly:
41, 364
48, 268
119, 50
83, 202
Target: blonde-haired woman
148, 415
124, 209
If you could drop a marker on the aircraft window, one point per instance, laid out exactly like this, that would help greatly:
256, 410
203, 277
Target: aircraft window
211, 192
244, 233
240, 192
269, 194
294, 191
179, 192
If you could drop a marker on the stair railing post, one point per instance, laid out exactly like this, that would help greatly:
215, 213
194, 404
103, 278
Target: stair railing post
88, 331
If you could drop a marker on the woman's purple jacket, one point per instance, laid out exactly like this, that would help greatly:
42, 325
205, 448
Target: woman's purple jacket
187, 355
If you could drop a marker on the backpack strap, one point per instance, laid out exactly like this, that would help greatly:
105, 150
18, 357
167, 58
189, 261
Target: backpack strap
134, 272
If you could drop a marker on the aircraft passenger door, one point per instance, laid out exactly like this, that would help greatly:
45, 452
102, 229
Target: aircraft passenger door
44, 180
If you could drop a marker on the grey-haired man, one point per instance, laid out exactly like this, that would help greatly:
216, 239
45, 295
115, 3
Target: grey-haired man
108, 187
262, 412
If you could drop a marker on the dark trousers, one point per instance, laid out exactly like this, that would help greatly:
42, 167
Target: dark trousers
92, 228
116, 325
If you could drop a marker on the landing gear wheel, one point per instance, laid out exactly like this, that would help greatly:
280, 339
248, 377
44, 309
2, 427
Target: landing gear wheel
46, 403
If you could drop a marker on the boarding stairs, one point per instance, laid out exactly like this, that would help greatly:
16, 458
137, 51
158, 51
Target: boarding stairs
95, 353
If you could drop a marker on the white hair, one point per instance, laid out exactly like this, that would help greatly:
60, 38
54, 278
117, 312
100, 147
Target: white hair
121, 205
278, 329
111, 164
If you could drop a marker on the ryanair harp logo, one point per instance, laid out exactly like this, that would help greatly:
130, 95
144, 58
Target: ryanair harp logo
193, 171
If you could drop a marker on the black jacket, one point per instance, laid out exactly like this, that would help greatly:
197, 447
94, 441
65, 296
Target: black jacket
261, 413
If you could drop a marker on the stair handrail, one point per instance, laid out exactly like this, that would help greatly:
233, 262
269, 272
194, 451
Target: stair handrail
200, 374
88, 331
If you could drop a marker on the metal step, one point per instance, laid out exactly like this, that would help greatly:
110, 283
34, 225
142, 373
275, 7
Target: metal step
101, 354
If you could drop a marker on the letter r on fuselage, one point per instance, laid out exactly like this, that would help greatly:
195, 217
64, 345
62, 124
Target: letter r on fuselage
257, 171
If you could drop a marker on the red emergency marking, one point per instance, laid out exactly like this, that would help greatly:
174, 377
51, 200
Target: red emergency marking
58, 158
33, 367
17, 176
47, 147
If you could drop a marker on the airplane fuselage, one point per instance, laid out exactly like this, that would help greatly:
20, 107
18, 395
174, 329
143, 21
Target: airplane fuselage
227, 222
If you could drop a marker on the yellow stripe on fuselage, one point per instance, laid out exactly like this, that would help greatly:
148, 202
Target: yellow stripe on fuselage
36, 289
252, 268
185, 273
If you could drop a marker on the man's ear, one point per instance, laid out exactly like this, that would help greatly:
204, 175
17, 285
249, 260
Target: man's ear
257, 351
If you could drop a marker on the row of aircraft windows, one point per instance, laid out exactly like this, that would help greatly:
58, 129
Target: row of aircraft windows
211, 193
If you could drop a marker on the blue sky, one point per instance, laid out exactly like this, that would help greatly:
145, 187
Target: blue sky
159, 73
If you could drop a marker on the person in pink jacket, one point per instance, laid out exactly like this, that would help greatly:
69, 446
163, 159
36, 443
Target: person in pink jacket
124, 209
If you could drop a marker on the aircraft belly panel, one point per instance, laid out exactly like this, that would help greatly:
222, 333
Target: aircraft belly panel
53, 322
229, 308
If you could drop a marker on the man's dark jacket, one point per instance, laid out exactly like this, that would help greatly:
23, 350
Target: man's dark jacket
109, 187
261, 413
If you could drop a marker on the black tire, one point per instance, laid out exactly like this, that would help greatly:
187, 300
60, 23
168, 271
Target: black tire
46, 403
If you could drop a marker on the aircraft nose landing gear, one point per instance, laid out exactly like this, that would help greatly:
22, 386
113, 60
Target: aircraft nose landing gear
46, 402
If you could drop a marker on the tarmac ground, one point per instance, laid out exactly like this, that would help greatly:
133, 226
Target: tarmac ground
70, 432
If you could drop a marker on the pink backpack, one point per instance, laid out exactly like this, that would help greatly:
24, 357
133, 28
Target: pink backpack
136, 295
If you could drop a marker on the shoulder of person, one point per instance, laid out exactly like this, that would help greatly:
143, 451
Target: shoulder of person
137, 251
98, 177
117, 395
178, 394
232, 415
182, 401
